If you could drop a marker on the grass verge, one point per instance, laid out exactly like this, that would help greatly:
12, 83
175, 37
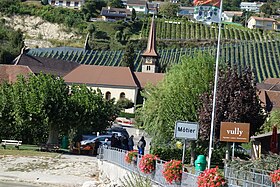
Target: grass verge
25, 150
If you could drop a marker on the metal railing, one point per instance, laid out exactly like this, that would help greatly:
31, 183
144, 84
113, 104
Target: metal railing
253, 178
116, 156
234, 177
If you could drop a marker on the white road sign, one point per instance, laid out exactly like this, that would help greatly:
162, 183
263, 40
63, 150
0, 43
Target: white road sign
186, 130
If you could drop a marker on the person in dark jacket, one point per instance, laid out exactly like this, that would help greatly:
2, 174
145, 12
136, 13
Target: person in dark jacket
130, 143
114, 141
141, 145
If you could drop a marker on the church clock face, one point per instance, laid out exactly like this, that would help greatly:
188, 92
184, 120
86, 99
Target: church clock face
149, 60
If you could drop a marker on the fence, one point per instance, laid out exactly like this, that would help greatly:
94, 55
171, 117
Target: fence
253, 178
234, 177
116, 156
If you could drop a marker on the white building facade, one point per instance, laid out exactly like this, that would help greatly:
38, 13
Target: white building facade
251, 6
76, 4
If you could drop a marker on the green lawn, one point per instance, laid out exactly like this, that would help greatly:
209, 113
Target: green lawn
25, 150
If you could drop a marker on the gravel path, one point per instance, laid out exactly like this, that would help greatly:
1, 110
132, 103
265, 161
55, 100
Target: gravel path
62, 171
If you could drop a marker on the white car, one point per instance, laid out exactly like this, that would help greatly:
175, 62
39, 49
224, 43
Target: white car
101, 138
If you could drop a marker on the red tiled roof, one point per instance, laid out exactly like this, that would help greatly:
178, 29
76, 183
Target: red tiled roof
262, 19
101, 75
272, 81
145, 78
269, 92
9, 73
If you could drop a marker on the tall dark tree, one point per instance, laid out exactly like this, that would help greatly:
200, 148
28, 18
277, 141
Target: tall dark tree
88, 9
133, 14
128, 57
236, 101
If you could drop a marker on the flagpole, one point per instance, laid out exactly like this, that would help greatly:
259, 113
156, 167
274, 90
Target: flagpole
215, 87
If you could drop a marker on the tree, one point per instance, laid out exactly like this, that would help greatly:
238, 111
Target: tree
89, 9
266, 8
89, 110
116, 4
273, 119
128, 57
231, 4
44, 2
133, 14
169, 10
124, 103
236, 101
176, 97
91, 28
41, 108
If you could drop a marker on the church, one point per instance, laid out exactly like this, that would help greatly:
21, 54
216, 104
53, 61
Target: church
113, 82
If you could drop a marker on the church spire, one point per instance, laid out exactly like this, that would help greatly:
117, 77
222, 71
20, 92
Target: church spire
150, 55
151, 50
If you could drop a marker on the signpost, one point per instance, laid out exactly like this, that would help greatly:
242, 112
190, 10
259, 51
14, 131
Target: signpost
234, 132
187, 131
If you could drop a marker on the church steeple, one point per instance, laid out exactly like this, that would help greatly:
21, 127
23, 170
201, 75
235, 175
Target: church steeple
150, 55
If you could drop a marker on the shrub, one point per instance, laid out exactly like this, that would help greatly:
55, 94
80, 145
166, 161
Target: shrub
148, 163
173, 171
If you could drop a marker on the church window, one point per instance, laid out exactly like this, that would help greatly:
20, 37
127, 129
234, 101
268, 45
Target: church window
108, 95
148, 68
122, 95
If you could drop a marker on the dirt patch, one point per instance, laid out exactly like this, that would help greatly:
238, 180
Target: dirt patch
37, 31
64, 170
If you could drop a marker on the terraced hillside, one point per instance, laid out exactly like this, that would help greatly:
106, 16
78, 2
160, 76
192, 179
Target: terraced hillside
184, 30
263, 57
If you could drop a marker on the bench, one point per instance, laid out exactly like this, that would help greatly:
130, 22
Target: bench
49, 147
16, 143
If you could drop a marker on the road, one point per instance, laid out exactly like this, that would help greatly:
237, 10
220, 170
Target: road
14, 184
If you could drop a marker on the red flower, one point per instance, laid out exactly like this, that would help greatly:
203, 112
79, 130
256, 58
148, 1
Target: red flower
211, 177
275, 176
148, 163
173, 171
131, 155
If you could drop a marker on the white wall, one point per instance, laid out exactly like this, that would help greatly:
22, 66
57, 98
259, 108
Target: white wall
72, 3
130, 93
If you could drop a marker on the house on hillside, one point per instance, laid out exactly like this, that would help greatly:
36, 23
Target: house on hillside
114, 14
186, 11
227, 16
277, 25
76, 4
269, 93
255, 22
137, 5
251, 6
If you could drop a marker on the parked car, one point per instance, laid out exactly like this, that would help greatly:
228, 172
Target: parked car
101, 138
118, 130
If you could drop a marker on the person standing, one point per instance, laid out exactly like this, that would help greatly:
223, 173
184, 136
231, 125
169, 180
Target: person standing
141, 145
130, 143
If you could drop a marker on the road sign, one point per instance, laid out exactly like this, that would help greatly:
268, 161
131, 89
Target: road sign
186, 130
234, 132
